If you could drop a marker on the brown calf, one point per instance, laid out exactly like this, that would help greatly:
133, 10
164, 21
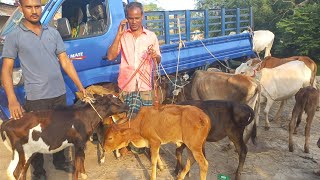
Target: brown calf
53, 130
307, 100
171, 123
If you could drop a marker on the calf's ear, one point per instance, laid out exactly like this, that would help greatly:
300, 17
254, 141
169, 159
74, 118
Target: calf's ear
110, 96
249, 62
124, 131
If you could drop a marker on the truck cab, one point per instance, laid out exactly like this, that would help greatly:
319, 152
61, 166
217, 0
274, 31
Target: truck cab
88, 28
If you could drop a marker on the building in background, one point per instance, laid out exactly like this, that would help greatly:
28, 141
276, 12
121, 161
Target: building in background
5, 12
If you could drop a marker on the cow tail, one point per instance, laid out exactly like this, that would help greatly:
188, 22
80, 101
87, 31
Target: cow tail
314, 73
254, 134
2, 132
256, 119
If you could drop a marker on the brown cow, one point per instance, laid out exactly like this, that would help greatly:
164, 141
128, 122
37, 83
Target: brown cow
171, 123
271, 62
307, 100
227, 119
51, 131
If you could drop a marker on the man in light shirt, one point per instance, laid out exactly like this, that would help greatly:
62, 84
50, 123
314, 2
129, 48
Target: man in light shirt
139, 49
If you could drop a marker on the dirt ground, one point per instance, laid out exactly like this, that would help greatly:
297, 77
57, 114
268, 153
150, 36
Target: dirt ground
270, 159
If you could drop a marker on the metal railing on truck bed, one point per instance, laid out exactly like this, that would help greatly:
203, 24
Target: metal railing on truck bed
210, 23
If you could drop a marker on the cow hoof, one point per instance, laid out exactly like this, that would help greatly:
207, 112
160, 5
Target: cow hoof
290, 148
318, 108
102, 160
238, 177
267, 128
317, 172
117, 154
306, 150
84, 176
11, 177
295, 132
176, 171
161, 168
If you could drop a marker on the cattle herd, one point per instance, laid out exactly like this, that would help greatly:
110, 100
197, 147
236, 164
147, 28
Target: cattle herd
214, 105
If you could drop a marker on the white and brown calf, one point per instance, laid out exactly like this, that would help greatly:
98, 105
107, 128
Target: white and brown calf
53, 130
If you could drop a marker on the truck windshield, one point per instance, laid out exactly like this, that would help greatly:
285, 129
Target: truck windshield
12, 22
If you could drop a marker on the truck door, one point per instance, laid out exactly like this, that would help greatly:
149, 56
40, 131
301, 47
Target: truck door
88, 23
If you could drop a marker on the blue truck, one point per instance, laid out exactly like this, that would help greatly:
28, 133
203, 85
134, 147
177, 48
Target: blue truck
88, 27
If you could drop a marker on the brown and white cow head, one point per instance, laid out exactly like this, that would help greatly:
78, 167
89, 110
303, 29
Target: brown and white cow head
247, 68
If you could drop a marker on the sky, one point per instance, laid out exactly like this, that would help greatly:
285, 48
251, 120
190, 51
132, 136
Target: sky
172, 4
165, 4
7, 1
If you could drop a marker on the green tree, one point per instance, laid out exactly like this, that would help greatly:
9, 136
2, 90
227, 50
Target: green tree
151, 7
299, 33
294, 22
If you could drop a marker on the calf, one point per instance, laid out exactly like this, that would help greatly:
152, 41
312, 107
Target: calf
307, 100
53, 130
227, 119
171, 123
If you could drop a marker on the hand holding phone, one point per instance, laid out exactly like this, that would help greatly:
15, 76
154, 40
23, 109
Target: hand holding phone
122, 26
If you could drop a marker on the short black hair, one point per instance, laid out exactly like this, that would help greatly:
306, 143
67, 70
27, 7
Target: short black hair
134, 5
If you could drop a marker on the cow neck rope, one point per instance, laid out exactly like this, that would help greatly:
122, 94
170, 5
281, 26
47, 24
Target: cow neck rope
89, 100
95, 110
258, 77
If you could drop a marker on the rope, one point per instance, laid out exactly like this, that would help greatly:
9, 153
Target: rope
91, 100
213, 55
170, 79
181, 43
135, 72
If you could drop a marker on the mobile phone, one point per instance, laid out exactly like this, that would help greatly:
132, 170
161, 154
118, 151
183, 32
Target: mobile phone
124, 26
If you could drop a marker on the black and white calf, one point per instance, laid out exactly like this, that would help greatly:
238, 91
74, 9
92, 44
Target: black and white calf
53, 130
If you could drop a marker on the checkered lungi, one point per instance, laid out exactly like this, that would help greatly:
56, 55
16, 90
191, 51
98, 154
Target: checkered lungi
137, 99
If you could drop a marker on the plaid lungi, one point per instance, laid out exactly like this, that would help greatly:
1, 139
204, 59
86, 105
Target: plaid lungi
137, 99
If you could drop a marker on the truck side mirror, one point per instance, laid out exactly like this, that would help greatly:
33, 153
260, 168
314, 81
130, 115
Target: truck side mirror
64, 27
